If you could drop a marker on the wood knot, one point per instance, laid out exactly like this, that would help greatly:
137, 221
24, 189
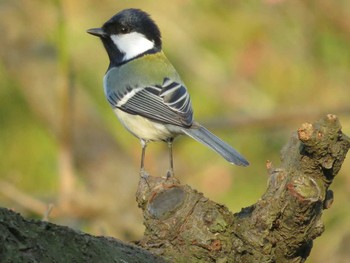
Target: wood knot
269, 166
305, 132
332, 117
305, 189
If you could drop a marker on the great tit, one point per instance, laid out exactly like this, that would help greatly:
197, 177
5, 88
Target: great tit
144, 89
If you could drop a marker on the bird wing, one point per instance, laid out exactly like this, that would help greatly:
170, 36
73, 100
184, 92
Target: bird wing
168, 103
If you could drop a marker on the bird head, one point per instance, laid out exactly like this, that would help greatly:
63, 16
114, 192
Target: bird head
128, 34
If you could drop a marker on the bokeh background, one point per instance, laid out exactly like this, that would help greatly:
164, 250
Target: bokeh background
256, 70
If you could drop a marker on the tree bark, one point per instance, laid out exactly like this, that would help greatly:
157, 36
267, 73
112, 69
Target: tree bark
184, 226
24, 240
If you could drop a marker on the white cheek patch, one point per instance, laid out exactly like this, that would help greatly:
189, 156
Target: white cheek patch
132, 44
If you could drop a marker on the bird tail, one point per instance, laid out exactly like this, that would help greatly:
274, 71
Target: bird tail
210, 140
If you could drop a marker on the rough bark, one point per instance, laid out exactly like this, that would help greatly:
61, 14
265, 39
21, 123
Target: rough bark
184, 226
24, 240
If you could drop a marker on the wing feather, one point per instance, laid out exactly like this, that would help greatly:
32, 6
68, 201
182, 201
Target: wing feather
168, 103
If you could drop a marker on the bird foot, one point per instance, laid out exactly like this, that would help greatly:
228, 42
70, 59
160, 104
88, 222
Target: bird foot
144, 175
169, 174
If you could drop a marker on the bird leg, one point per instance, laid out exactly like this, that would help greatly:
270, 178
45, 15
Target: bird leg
143, 173
170, 172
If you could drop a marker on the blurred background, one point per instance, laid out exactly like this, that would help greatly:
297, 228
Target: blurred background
256, 70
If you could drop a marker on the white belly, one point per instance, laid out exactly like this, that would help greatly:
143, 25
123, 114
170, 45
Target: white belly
143, 128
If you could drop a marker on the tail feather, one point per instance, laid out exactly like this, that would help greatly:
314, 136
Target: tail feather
210, 140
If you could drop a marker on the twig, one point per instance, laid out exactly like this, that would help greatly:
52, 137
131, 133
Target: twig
26, 201
271, 121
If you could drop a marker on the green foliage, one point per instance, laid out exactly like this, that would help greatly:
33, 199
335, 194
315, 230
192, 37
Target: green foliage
28, 155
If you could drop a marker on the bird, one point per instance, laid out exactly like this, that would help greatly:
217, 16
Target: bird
146, 92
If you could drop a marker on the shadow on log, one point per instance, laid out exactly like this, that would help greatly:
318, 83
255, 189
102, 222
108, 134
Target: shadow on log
184, 226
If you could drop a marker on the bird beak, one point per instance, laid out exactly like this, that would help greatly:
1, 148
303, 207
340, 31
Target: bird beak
99, 32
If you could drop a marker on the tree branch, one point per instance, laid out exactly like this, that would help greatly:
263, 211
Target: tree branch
24, 240
181, 224
184, 226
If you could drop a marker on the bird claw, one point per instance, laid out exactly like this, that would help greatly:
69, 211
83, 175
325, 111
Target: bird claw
170, 174
144, 175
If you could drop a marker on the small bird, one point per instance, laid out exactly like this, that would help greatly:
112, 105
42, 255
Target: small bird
144, 89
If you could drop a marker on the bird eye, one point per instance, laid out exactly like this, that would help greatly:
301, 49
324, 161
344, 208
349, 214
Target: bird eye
124, 30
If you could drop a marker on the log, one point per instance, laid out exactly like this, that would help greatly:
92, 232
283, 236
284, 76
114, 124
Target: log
23, 240
182, 225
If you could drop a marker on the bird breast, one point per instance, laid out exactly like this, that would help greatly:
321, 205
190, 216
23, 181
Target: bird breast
144, 128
